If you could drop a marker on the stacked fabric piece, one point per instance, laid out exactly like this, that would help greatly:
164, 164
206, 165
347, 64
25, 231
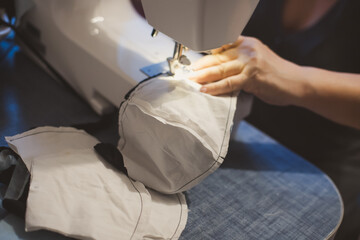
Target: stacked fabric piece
73, 191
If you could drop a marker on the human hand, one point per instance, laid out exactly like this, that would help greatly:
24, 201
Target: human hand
251, 66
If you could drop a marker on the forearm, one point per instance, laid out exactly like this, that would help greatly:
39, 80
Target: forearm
333, 95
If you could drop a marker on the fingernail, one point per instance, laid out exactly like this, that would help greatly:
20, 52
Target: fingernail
203, 89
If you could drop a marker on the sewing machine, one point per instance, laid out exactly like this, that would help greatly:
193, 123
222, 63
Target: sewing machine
99, 47
199, 25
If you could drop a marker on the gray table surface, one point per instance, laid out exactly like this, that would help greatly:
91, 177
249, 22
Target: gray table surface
262, 191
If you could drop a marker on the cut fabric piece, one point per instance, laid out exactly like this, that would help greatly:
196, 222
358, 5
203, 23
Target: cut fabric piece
49, 140
78, 194
171, 135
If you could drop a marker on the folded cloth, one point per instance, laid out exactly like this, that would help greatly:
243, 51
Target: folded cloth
73, 191
15, 175
171, 135
48, 140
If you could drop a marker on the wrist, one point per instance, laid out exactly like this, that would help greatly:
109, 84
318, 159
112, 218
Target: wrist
306, 87
299, 87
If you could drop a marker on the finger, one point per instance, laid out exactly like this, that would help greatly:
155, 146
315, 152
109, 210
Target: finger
216, 73
222, 48
216, 59
227, 85
228, 46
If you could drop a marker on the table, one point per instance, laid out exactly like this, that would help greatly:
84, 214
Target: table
262, 191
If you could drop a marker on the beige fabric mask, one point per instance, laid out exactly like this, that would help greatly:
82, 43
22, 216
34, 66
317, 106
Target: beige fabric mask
172, 136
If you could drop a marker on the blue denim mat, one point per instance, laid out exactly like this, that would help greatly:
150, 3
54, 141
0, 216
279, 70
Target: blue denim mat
263, 191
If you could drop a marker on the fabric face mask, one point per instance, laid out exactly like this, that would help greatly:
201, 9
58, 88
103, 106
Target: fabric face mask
172, 136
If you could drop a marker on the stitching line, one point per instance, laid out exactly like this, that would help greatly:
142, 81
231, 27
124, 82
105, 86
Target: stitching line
141, 208
177, 195
222, 144
32, 134
127, 99
122, 124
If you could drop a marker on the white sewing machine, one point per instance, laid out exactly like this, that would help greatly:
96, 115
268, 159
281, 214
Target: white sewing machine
99, 46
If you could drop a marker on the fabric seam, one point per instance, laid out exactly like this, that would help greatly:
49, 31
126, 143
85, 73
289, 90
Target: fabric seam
181, 212
49, 131
122, 125
141, 209
222, 144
